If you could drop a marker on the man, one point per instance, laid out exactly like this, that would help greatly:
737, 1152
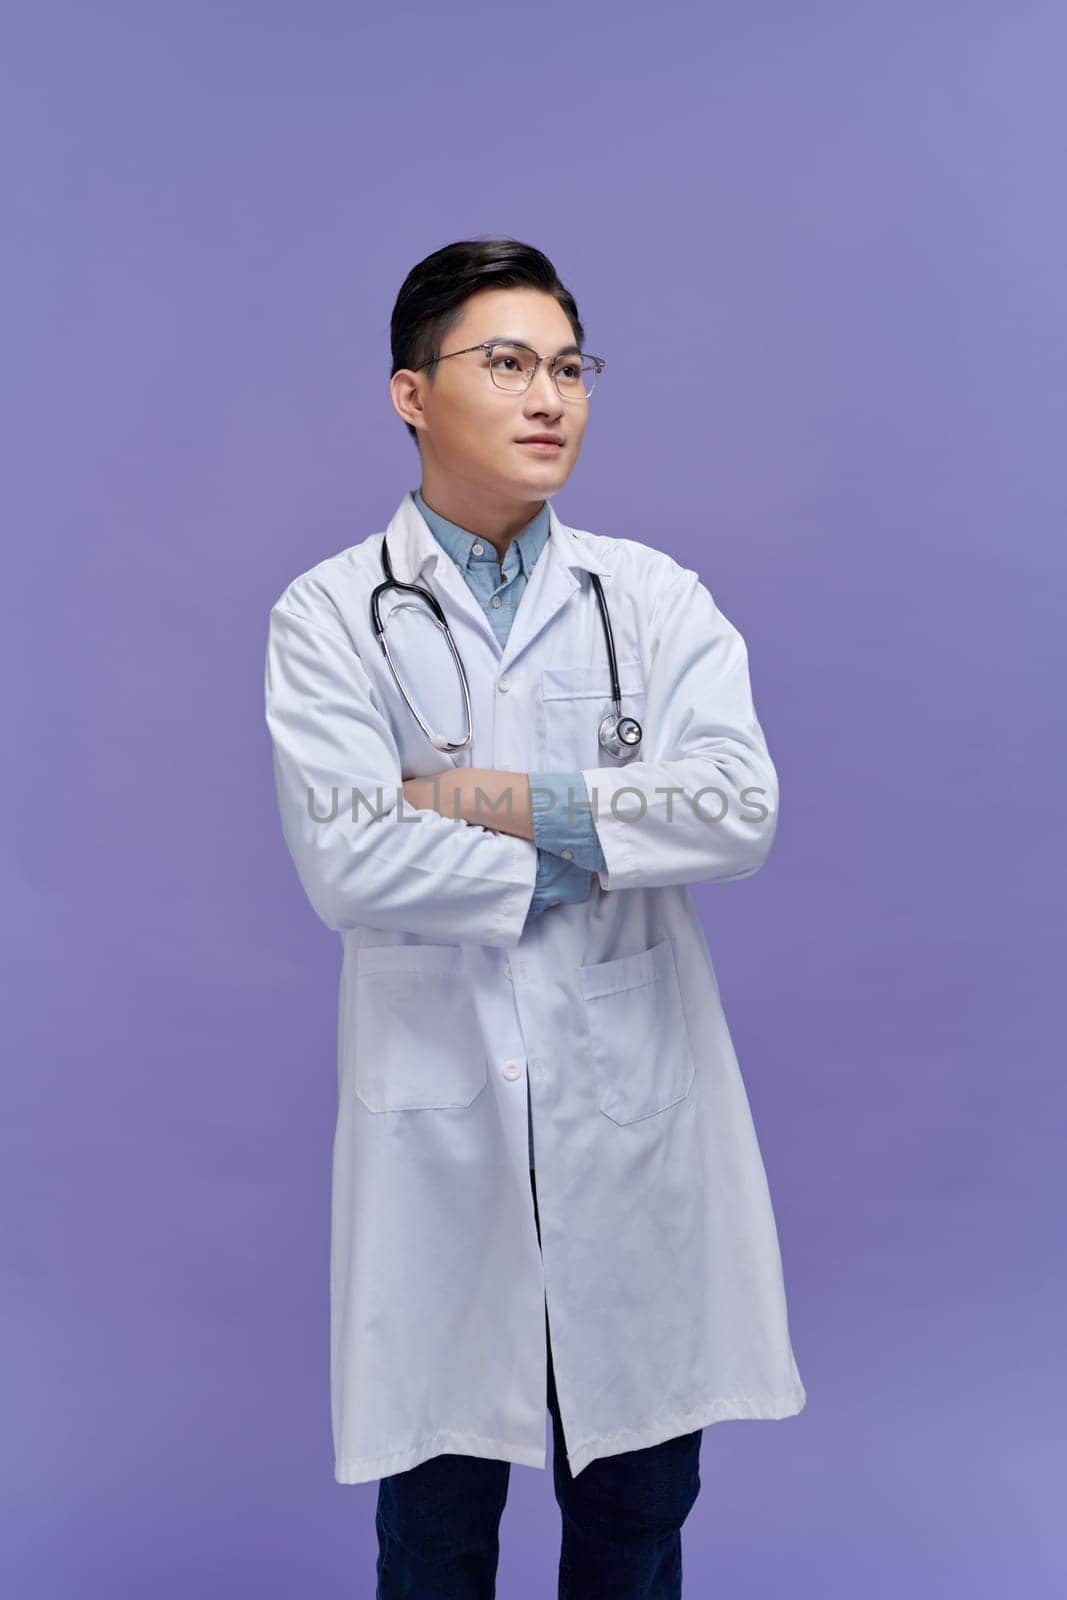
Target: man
524, 971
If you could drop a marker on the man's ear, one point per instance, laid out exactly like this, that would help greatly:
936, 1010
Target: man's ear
406, 395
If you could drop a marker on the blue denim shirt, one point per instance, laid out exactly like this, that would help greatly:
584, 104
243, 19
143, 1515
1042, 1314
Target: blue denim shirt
568, 849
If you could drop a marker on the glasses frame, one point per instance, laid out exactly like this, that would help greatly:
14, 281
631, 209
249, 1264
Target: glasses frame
489, 345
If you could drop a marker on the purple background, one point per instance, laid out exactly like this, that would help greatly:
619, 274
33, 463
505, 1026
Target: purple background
822, 249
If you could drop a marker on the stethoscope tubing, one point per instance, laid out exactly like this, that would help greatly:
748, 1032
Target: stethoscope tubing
611, 741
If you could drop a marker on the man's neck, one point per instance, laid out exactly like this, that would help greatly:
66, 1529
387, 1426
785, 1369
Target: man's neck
496, 525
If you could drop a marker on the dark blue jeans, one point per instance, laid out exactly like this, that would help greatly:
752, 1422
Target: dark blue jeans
438, 1522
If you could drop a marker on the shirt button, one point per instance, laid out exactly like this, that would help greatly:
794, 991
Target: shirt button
567, 855
503, 682
511, 1069
495, 601
477, 549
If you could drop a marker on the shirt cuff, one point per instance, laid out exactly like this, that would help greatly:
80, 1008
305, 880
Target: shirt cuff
556, 881
564, 825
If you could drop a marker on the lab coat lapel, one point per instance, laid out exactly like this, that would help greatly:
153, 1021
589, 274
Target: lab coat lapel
551, 584
417, 557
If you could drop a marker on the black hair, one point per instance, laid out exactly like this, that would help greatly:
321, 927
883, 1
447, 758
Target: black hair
432, 296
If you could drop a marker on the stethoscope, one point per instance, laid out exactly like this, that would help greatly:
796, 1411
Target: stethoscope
618, 735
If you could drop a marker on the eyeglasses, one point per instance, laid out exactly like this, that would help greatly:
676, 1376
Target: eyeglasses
512, 368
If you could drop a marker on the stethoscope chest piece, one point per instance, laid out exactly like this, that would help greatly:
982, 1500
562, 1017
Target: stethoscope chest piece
619, 736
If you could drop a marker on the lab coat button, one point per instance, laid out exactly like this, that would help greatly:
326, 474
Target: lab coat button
503, 682
511, 1069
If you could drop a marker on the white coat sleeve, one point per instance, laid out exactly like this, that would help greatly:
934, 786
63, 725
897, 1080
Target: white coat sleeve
427, 874
702, 804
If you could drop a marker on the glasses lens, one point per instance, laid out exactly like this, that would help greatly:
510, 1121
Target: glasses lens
510, 366
575, 376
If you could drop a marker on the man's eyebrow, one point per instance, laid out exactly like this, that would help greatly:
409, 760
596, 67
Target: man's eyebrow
510, 338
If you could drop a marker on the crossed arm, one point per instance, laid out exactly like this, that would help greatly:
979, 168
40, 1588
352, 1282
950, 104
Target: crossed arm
328, 733
503, 804
559, 824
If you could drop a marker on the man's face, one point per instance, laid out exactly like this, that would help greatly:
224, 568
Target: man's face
469, 430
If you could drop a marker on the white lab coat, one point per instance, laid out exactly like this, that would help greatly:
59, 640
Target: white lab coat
659, 1257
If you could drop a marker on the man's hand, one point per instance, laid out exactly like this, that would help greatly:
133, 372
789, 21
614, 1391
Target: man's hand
480, 795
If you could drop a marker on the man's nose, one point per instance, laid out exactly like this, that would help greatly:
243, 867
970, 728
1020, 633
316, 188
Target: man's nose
542, 395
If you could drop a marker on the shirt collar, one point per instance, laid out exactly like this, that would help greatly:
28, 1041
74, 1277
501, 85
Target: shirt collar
413, 548
460, 544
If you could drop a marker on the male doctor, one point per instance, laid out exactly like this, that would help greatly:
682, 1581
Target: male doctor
524, 972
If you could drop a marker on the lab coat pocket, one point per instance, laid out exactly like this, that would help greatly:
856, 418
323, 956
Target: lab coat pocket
574, 701
642, 1053
418, 1045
